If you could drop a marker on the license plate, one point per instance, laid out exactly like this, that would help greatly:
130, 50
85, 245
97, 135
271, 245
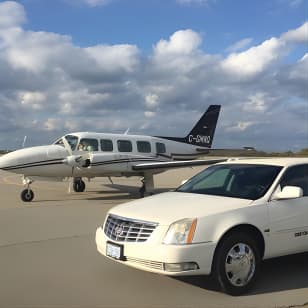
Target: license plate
114, 251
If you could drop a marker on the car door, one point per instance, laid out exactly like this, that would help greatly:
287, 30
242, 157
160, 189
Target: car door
289, 218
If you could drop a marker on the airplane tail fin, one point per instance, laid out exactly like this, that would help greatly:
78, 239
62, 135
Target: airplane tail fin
202, 133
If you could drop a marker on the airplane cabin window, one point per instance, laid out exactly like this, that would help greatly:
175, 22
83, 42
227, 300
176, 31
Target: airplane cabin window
106, 145
87, 144
144, 146
124, 146
296, 176
160, 148
72, 141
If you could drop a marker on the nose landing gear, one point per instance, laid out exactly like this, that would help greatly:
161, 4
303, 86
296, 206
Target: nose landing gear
27, 194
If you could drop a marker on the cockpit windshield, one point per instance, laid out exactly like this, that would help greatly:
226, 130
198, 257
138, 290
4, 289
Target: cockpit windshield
71, 140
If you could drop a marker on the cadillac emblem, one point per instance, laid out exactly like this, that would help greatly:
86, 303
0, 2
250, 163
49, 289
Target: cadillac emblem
119, 230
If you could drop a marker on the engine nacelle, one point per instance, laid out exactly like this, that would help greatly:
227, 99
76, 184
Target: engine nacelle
78, 161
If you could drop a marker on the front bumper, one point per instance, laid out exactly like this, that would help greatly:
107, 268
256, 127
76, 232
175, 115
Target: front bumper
153, 256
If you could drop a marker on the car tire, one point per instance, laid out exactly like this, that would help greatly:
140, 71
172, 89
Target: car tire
236, 263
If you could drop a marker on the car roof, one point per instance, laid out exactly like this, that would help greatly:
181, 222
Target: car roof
279, 161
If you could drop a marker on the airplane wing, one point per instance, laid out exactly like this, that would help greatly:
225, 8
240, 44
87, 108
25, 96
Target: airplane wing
175, 164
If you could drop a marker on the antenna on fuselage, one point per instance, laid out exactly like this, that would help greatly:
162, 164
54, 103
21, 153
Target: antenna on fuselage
126, 132
24, 142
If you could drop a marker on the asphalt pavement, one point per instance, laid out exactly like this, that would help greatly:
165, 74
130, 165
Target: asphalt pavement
48, 256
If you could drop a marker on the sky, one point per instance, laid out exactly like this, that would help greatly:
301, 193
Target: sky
154, 67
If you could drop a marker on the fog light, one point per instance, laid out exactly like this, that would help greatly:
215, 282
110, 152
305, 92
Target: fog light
181, 267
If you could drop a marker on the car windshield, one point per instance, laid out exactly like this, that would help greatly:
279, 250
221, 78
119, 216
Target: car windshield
245, 181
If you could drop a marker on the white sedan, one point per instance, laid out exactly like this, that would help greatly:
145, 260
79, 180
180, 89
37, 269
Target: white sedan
223, 222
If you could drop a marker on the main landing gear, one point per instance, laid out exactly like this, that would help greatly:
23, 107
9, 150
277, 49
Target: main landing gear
79, 185
147, 185
27, 194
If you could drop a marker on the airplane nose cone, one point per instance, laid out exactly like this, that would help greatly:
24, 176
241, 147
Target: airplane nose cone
24, 161
2, 161
6, 160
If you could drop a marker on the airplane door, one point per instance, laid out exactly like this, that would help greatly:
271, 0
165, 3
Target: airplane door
125, 160
289, 218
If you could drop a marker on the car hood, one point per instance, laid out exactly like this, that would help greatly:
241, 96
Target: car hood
168, 207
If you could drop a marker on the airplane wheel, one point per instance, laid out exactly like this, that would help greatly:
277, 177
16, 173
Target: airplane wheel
27, 195
79, 186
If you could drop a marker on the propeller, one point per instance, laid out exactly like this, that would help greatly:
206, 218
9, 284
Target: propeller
79, 161
24, 142
68, 161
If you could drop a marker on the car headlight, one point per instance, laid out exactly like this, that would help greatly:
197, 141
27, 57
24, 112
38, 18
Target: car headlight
181, 232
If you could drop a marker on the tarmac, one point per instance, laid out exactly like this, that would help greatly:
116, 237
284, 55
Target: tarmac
48, 255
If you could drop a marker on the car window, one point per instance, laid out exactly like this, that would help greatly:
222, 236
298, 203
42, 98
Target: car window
144, 146
124, 146
246, 181
106, 145
296, 176
88, 144
214, 180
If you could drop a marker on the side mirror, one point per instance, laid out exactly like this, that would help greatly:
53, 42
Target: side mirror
289, 192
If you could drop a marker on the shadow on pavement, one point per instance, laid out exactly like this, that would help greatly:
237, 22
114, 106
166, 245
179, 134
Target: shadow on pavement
278, 274
122, 192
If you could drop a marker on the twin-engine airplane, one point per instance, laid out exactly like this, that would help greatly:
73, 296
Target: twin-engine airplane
92, 155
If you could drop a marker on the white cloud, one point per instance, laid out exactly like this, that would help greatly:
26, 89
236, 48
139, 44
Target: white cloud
11, 14
72, 102
299, 71
36, 51
116, 57
52, 124
72, 125
149, 114
255, 60
299, 35
151, 100
240, 45
33, 100
49, 86
256, 103
239, 127
182, 42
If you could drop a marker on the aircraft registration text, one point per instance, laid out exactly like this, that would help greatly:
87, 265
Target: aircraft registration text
199, 139
303, 233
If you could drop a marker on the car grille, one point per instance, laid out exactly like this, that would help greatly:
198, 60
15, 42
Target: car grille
128, 230
147, 263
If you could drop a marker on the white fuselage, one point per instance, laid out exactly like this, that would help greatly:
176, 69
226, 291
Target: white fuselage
111, 155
